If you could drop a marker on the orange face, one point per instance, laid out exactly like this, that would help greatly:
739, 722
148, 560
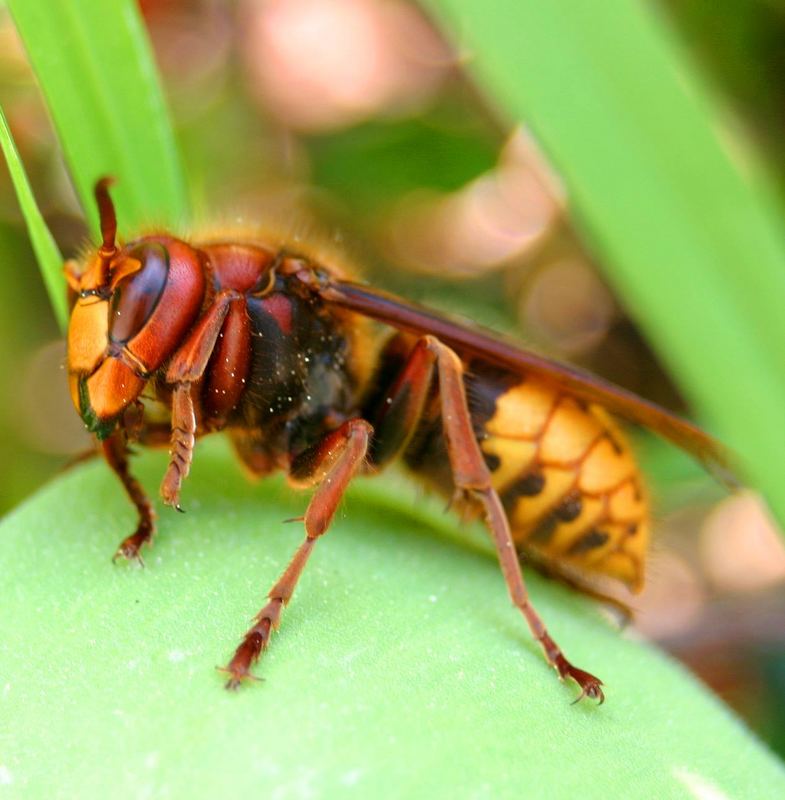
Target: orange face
131, 312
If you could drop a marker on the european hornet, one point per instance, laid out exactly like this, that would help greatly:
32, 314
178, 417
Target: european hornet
268, 343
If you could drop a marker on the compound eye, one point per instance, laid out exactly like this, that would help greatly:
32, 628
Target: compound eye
136, 293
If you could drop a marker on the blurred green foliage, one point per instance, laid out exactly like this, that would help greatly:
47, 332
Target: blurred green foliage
26, 323
739, 43
377, 163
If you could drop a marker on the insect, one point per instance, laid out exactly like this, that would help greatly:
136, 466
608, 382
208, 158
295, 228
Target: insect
280, 351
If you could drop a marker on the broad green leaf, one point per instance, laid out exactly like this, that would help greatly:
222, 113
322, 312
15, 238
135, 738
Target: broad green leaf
400, 669
50, 262
662, 194
96, 71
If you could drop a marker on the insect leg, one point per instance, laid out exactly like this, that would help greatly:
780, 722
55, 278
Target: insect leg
333, 461
187, 366
473, 481
116, 455
181, 444
401, 407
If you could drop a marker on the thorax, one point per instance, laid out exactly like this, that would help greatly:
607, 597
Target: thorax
284, 366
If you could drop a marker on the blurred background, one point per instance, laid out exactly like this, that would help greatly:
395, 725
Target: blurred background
359, 115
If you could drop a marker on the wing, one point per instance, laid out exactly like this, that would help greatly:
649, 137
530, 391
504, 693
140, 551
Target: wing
474, 341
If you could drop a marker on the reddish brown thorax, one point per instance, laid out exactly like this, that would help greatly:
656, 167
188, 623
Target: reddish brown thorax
247, 270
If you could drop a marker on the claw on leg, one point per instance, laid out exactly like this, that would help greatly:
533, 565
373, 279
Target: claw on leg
590, 686
254, 642
236, 678
131, 546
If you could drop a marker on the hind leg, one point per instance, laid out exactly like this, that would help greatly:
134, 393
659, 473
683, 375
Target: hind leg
473, 482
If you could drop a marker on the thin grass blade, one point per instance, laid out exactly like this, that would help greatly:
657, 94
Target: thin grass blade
46, 251
97, 73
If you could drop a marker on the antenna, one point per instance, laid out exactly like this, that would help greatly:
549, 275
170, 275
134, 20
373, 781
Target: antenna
108, 218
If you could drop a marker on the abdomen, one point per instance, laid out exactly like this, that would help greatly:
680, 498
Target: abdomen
564, 471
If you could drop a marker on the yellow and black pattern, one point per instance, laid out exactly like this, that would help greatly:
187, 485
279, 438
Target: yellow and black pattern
572, 490
568, 481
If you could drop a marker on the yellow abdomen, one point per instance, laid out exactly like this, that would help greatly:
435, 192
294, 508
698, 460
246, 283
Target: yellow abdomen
569, 482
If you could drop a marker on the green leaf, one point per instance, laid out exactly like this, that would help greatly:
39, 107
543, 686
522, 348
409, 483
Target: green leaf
664, 194
96, 71
400, 669
50, 262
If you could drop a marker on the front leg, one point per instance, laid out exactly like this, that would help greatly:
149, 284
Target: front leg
115, 452
182, 444
186, 368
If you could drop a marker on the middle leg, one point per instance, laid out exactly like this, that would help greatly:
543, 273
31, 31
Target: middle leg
333, 462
